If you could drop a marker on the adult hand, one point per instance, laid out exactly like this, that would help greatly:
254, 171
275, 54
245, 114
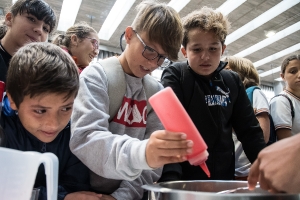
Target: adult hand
166, 147
83, 195
277, 167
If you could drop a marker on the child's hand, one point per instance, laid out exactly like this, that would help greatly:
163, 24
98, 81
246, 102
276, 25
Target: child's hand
83, 195
166, 147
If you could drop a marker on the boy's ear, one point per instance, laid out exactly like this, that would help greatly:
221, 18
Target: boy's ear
128, 34
8, 19
183, 51
12, 103
282, 76
223, 48
74, 40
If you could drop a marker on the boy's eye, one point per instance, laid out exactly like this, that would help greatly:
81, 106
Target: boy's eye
293, 71
197, 49
66, 109
39, 111
213, 49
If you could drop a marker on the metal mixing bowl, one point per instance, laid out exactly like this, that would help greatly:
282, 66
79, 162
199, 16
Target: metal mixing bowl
207, 190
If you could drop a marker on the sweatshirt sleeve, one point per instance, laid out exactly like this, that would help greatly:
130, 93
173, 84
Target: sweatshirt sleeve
108, 155
245, 124
133, 189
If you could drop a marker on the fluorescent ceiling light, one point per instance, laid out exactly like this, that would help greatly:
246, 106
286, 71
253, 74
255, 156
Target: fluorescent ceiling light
275, 56
14, 1
260, 20
272, 71
68, 14
279, 35
114, 18
278, 79
270, 33
178, 4
229, 6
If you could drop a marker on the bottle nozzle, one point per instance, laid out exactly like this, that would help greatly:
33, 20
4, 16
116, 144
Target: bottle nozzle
205, 169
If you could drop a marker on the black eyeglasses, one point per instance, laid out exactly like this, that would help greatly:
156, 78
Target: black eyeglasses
94, 42
151, 54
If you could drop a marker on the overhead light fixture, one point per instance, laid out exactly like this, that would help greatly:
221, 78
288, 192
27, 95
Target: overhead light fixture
275, 56
270, 33
68, 14
269, 72
229, 6
260, 20
178, 4
279, 35
114, 18
278, 79
14, 1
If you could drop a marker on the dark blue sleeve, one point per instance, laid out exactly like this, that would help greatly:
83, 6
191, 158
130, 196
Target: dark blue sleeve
61, 193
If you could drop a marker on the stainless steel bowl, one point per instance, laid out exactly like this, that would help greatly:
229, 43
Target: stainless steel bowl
207, 190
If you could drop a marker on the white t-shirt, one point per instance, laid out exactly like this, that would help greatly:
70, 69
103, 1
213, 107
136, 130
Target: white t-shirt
280, 110
242, 164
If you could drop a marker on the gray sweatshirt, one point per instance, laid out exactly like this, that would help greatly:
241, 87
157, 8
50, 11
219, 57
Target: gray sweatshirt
115, 151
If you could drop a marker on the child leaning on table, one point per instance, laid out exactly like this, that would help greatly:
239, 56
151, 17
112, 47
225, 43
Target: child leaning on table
42, 83
123, 152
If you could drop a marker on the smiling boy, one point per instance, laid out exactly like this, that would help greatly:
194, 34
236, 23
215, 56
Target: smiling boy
41, 86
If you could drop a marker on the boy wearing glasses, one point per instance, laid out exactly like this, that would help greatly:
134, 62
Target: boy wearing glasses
214, 98
125, 153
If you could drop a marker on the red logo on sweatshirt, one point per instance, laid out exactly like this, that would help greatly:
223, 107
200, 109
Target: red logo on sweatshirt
132, 113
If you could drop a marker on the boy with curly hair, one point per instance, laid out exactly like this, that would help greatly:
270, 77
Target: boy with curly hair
214, 98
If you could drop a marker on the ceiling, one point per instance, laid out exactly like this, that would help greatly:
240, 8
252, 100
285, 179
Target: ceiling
267, 58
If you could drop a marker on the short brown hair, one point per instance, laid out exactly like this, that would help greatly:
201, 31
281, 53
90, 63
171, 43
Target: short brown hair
80, 29
162, 24
245, 69
287, 60
40, 68
206, 19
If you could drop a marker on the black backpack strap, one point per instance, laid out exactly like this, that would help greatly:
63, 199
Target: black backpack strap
290, 101
187, 82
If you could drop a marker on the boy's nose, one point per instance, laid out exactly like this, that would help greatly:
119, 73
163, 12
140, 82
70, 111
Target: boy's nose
52, 124
205, 55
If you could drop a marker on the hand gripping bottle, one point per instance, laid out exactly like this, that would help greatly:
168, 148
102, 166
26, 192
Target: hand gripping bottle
174, 118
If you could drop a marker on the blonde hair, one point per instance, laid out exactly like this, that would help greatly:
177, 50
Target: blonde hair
206, 19
80, 29
162, 25
245, 69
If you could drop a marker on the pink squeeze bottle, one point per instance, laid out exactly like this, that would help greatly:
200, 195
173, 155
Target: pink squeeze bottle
174, 118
